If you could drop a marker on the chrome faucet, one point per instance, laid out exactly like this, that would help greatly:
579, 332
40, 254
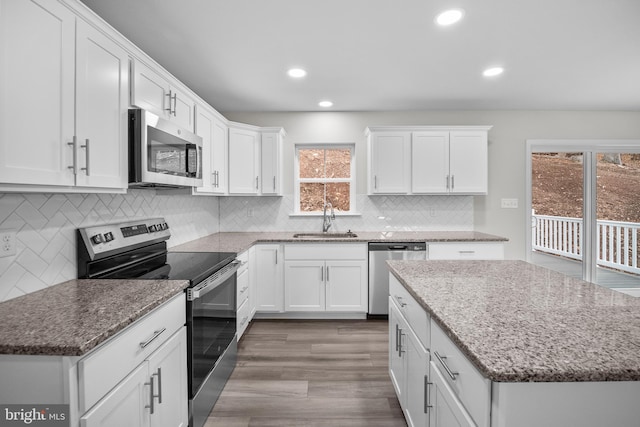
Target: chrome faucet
326, 220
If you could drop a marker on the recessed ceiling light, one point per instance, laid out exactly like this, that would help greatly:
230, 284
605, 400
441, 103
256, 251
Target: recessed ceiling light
296, 73
325, 104
449, 17
493, 71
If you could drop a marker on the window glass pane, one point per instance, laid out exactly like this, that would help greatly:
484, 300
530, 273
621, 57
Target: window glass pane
311, 163
311, 196
338, 163
338, 193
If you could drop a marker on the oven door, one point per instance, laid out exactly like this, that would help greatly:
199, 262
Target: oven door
211, 324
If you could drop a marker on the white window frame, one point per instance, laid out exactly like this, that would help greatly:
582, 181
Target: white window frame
351, 180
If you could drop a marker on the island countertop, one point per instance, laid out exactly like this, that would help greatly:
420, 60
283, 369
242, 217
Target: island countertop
517, 322
71, 318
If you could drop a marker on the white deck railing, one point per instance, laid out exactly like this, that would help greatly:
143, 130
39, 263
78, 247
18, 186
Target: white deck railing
617, 241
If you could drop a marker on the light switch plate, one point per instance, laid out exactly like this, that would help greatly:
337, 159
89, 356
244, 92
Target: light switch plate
509, 203
7, 243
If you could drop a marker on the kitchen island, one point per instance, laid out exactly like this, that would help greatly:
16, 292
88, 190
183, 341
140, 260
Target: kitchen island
539, 347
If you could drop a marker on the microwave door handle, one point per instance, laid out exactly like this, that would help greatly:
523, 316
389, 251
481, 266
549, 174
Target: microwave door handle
189, 148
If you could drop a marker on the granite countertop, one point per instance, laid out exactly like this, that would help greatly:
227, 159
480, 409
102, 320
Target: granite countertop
518, 322
241, 241
71, 318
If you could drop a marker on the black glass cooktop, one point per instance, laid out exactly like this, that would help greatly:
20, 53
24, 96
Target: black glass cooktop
193, 266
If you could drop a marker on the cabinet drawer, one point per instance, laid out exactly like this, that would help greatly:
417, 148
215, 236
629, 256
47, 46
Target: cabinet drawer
415, 314
107, 365
321, 251
473, 389
242, 320
461, 250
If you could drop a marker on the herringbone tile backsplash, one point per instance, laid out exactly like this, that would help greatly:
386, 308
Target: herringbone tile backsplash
46, 226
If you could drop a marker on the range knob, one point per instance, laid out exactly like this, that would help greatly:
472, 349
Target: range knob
165, 226
97, 239
152, 229
108, 237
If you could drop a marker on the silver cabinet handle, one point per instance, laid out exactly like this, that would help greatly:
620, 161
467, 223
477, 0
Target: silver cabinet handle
159, 375
397, 341
276, 253
400, 351
447, 182
87, 156
74, 146
466, 252
217, 179
402, 304
169, 95
274, 183
453, 184
175, 104
327, 273
322, 274
152, 396
243, 290
426, 394
155, 335
441, 359
256, 182
375, 182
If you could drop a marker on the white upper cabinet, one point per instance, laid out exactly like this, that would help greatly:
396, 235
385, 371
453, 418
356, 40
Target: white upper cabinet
102, 88
270, 161
214, 133
428, 159
152, 92
244, 164
37, 49
389, 162
63, 106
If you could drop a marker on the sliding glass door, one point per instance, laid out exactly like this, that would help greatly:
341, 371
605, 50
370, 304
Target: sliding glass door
584, 209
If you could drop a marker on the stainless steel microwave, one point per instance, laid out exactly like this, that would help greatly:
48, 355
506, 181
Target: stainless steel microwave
161, 154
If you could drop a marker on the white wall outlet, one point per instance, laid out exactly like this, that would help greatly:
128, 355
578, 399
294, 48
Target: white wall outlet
509, 203
7, 243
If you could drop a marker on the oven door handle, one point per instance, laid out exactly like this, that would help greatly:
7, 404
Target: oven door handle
213, 281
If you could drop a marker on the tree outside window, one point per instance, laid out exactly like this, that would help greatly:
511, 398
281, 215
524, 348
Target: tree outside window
325, 174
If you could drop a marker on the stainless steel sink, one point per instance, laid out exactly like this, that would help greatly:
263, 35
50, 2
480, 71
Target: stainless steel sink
325, 235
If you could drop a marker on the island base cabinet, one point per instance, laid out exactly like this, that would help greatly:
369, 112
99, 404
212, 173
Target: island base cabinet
408, 369
445, 408
561, 404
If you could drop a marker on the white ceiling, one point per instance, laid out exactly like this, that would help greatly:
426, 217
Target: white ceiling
383, 55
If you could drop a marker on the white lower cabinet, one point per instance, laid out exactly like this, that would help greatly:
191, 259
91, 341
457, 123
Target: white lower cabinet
268, 276
326, 277
446, 409
243, 295
408, 368
154, 394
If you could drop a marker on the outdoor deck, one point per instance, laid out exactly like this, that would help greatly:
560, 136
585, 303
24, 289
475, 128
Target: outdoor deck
604, 277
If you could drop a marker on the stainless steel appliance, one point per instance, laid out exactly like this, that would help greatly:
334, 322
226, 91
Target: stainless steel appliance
138, 250
379, 274
162, 154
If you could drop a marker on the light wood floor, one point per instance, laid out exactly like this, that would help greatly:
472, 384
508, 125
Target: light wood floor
310, 373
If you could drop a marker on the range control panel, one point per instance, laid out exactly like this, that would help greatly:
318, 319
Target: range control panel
103, 239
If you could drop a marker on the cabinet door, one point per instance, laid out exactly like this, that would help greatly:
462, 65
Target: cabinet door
430, 162
182, 109
243, 155
149, 90
396, 359
304, 285
270, 163
346, 286
37, 45
468, 162
219, 156
168, 371
204, 129
269, 286
390, 164
417, 380
446, 409
126, 405
102, 87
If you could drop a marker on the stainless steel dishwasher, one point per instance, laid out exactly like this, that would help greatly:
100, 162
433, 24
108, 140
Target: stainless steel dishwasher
379, 273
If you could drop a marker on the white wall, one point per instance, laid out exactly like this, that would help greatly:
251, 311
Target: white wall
506, 148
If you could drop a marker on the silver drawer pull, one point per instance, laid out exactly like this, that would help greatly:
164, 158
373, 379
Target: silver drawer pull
402, 304
155, 335
159, 375
426, 394
151, 396
244, 320
243, 290
441, 359
467, 252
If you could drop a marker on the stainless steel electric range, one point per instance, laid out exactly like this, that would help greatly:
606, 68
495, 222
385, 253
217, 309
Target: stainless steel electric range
138, 250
